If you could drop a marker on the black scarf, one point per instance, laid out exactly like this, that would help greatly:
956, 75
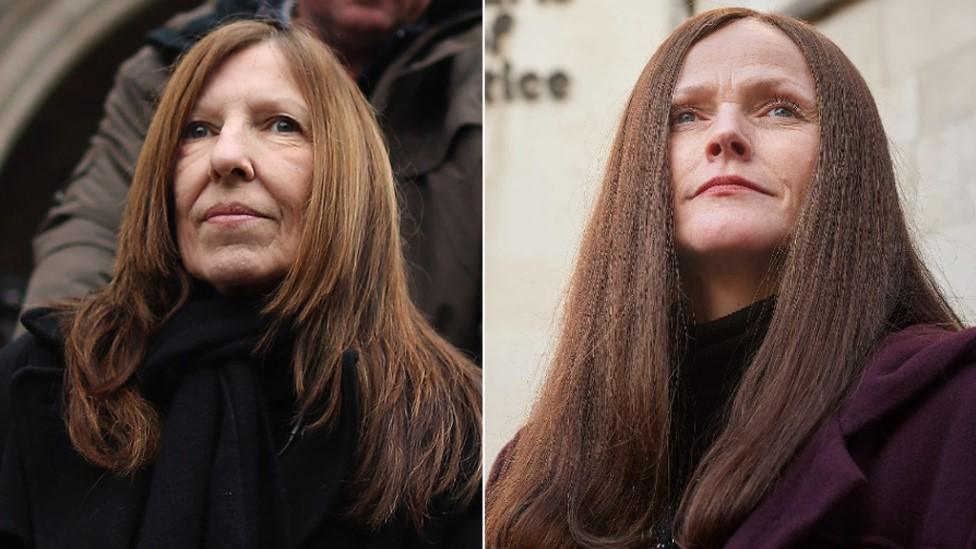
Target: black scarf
215, 481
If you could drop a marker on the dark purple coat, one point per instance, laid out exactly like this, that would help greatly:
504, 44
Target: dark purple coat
895, 467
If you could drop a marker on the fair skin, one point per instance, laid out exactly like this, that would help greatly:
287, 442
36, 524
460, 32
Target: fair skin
358, 29
243, 174
743, 148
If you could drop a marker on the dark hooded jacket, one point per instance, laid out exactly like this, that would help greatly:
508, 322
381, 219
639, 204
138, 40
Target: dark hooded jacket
426, 90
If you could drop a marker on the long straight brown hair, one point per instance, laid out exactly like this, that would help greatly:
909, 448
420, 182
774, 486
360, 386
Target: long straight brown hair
591, 465
420, 400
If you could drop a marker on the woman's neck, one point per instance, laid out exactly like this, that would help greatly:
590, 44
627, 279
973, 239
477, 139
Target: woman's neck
719, 288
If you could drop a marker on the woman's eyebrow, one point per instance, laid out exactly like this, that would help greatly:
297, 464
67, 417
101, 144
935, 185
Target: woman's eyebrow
785, 85
687, 93
259, 104
751, 86
289, 104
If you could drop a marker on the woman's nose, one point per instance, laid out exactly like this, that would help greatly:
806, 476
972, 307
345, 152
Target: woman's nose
728, 138
230, 158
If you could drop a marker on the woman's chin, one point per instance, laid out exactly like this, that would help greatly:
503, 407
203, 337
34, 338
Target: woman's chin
236, 270
729, 231
235, 280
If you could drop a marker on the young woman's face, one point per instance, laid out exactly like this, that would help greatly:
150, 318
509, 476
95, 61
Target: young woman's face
243, 174
743, 144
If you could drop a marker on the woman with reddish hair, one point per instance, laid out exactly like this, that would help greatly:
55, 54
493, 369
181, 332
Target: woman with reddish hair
256, 374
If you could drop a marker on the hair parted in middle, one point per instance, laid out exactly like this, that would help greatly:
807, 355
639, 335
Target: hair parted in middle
419, 398
592, 467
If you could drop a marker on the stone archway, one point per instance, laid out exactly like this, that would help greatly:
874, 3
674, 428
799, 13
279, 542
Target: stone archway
57, 62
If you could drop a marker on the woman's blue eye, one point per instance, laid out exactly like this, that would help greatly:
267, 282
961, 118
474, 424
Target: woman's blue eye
782, 112
684, 117
284, 125
196, 130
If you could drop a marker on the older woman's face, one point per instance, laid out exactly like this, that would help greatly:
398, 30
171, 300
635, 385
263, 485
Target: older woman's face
243, 174
744, 142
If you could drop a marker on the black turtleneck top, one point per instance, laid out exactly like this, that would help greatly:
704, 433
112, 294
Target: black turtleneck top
711, 366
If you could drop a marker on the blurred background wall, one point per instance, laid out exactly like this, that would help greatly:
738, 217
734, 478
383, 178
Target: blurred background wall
558, 73
57, 62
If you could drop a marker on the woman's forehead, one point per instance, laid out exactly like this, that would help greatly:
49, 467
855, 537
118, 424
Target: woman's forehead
258, 74
743, 52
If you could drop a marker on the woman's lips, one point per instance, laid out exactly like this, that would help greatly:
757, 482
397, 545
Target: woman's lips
728, 184
231, 214
231, 219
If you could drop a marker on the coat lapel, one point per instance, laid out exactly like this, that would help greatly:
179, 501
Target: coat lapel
821, 475
824, 471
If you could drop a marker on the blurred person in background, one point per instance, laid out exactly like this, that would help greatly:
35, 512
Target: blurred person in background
419, 64
255, 374
753, 354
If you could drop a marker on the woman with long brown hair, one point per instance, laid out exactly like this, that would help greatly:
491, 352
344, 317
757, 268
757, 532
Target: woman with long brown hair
255, 375
752, 352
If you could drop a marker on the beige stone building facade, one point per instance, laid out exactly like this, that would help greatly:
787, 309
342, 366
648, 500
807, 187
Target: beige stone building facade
544, 155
